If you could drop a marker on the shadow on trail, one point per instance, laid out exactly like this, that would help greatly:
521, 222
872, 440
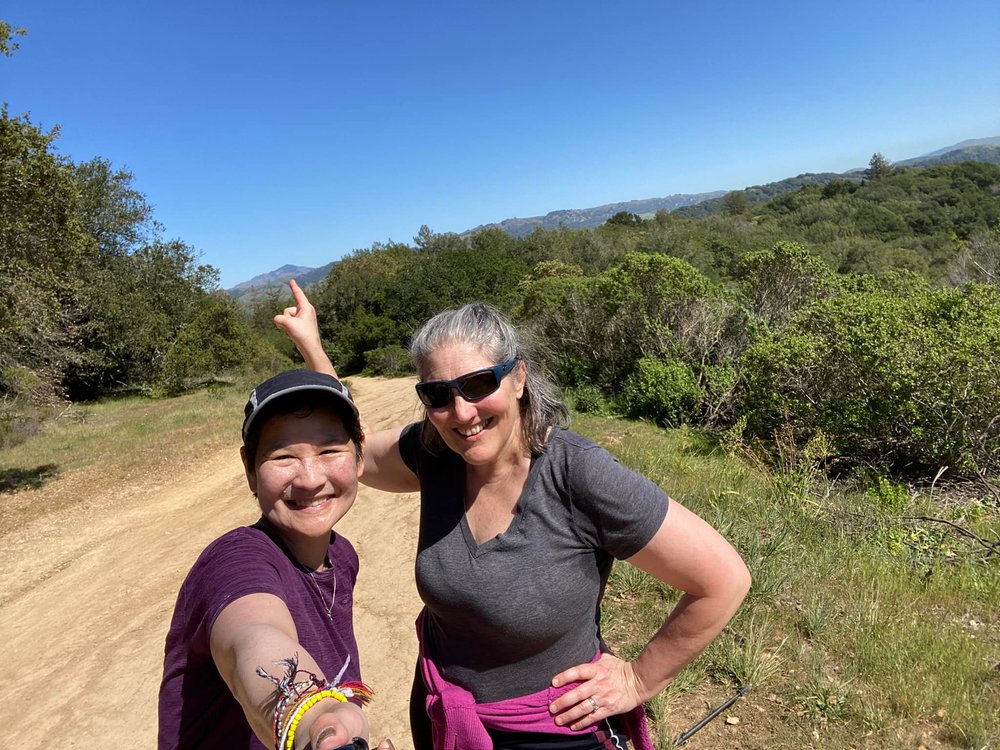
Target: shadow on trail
12, 480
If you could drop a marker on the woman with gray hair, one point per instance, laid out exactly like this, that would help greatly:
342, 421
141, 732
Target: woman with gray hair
520, 522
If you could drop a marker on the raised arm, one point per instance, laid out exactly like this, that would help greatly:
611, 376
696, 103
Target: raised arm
688, 554
384, 466
300, 325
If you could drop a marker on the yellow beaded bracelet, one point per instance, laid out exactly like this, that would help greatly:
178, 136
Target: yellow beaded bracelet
305, 706
284, 722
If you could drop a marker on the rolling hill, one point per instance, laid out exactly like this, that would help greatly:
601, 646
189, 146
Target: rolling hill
684, 204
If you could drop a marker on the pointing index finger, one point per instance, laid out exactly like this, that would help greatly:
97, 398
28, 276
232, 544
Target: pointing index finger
297, 294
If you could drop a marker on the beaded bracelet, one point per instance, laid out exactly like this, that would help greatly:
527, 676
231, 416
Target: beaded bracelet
290, 692
292, 696
304, 706
284, 723
287, 704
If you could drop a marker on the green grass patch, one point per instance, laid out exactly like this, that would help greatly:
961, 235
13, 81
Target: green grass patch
129, 428
864, 621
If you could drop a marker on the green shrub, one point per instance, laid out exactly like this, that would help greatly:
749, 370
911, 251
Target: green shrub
650, 305
778, 281
887, 496
903, 382
216, 340
666, 391
589, 399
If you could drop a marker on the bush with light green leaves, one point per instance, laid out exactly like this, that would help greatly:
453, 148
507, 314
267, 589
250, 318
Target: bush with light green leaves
905, 382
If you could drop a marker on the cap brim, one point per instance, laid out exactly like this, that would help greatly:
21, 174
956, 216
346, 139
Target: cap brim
334, 395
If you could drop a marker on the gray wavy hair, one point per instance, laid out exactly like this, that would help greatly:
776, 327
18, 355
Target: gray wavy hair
485, 328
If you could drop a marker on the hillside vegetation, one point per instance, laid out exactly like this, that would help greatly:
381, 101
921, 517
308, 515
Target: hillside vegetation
862, 316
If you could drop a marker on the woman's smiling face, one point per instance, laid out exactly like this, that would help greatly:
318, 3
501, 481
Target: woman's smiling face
306, 472
483, 431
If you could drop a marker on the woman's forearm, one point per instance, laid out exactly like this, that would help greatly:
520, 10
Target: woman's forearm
691, 626
256, 632
316, 359
689, 555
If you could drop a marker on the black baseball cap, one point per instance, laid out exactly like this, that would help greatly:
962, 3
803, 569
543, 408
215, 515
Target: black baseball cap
325, 387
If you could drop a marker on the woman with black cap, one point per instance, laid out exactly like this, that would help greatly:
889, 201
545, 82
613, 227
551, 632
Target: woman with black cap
261, 650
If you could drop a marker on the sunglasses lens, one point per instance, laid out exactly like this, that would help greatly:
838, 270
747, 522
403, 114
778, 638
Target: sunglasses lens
472, 387
434, 395
478, 386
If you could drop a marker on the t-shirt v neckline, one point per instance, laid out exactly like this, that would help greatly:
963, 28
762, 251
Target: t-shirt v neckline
475, 548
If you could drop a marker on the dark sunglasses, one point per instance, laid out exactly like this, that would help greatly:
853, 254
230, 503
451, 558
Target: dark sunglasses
472, 386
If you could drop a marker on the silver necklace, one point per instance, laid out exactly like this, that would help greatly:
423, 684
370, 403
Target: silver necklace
329, 610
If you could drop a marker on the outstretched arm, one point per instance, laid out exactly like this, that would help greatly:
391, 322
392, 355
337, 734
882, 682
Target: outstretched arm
688, 554
257, 631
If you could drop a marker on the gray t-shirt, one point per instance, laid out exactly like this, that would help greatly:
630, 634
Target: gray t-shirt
507, 615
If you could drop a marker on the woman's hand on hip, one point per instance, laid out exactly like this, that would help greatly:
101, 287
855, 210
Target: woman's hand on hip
607, 687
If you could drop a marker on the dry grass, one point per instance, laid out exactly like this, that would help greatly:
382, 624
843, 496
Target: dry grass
116, 442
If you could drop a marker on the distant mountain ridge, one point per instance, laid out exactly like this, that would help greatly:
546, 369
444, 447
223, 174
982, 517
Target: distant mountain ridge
994, 141
587, 218
981, 149
684, 204
278, 278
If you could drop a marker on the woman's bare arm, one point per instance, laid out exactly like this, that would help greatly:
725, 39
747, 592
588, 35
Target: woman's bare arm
257, 631
685, 553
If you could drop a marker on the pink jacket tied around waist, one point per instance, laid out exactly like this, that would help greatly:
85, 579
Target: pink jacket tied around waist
459, 723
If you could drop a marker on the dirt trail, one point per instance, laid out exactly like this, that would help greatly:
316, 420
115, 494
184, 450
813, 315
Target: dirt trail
86, 595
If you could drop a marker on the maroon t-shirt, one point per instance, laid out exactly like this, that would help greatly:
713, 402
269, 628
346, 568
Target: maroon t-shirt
196, 709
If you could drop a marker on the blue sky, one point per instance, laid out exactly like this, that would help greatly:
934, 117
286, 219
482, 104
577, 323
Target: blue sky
296, 132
